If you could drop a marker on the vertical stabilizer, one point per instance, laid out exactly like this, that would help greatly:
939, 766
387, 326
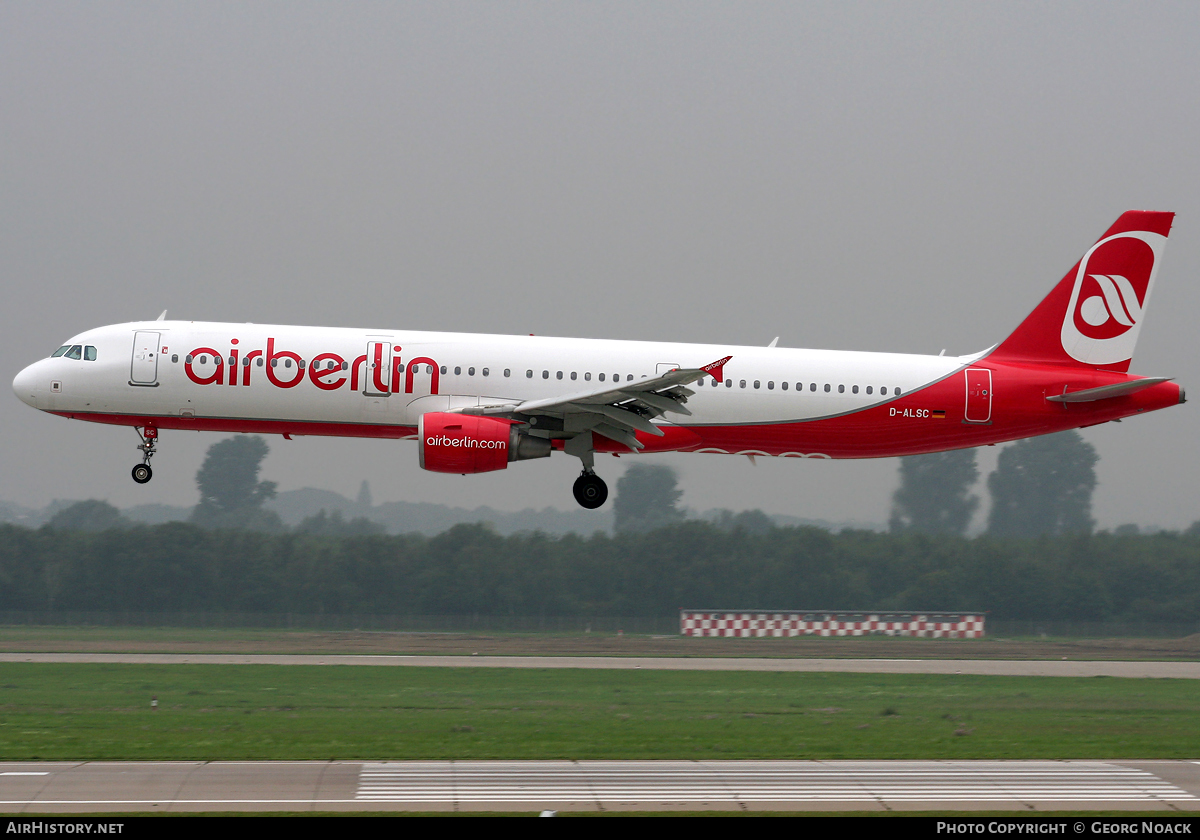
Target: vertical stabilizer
1093, 316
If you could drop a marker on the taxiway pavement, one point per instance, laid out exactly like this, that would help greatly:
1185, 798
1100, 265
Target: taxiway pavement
993, 667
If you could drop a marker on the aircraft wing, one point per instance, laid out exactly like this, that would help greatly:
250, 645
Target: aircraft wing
616, 411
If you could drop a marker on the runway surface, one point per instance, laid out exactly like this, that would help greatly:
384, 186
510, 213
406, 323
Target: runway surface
1023, 786
994, 667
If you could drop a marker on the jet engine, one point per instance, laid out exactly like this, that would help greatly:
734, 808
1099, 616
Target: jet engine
466, 443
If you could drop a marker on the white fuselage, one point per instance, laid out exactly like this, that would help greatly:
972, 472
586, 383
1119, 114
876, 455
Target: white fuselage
184, 378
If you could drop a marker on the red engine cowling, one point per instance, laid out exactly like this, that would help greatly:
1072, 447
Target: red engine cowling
464, 443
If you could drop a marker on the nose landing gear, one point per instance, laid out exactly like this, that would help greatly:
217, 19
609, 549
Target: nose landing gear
590, 490
142, 472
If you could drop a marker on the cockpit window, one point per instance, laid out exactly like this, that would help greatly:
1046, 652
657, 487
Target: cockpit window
60, 351
89, 353
76, 351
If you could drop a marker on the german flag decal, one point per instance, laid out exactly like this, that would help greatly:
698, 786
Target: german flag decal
938, 415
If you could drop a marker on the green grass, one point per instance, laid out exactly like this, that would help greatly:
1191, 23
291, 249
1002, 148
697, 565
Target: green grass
222, 712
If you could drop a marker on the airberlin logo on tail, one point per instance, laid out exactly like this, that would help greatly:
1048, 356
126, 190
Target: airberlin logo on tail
1112, 285
1115, 307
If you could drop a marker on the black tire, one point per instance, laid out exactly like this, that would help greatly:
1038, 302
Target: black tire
142, 473
590, 491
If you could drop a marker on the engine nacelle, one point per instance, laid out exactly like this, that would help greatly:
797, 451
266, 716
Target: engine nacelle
468, 443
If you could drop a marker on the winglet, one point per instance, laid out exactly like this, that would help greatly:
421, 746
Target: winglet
717, 369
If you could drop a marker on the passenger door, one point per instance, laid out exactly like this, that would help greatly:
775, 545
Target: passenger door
144, 367
979, 396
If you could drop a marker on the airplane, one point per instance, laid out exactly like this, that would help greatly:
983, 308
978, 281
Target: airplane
476, 403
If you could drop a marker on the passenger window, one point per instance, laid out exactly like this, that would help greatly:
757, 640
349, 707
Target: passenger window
545, 374
728, 383
89, 353
486, 371
529, 374
287, 363
826, 387
443, 369
600, 377
175, 359
429, 369
742, 383
574, 376
558, 375
771, 385
457, 370
783, 385
812, 386
756, 384
897, 392
714, 382
629, 377
60, 351
188, 359
507, 371
470, 371
868, 389
854, 390
587, 376
259, 362
841, 389
75, 352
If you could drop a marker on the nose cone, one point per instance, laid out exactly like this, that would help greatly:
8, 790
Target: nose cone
25, 385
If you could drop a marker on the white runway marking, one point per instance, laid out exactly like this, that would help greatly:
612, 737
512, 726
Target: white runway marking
79, 787
784, 781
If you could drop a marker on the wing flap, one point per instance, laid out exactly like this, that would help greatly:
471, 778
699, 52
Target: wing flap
625, 418
619, 435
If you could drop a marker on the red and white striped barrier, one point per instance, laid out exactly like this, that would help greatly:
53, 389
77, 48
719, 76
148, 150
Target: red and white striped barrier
929, 625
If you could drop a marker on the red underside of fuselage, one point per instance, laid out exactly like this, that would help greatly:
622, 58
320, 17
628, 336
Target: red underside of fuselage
930, 419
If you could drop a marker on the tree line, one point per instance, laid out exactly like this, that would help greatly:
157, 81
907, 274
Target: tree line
470, 569
235, 556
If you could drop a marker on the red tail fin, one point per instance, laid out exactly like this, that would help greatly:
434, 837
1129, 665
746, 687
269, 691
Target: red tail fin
1093, 316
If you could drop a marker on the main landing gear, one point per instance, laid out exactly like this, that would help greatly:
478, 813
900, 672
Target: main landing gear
142, 472
590, 490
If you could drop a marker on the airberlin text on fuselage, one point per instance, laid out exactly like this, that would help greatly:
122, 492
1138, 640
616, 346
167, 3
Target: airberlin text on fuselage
327, 371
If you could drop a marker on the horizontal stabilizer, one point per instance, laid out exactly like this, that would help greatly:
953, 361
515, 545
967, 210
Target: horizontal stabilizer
1105, 392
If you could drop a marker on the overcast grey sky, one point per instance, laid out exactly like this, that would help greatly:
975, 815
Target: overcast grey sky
878, 176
